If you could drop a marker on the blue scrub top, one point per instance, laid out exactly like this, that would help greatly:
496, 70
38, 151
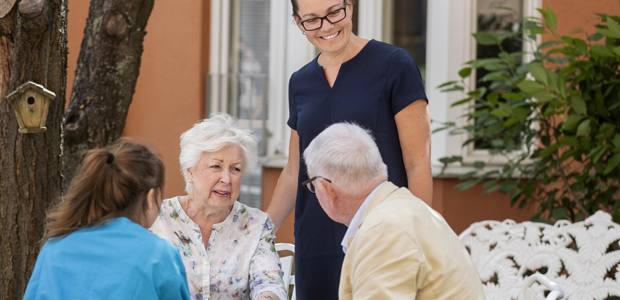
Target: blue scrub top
370, 90
117, 260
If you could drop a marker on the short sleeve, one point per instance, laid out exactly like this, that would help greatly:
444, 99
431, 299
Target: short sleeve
169, 274
265, 270
292, 105
405, 81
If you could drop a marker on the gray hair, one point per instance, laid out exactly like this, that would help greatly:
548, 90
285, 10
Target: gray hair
211, 135
347, 155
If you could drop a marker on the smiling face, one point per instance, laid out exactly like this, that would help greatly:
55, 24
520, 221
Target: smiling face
330, 38
217, 177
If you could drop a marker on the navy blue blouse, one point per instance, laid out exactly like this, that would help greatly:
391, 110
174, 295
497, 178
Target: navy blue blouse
370, 90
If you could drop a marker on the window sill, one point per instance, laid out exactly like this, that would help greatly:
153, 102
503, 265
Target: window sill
279, 161
456, 171
276, 161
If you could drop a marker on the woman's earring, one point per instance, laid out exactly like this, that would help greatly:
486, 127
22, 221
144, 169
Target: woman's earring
303, 32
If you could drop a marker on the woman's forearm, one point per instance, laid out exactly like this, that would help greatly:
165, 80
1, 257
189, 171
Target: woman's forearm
283, 200
420, 183
414, 132
285, 194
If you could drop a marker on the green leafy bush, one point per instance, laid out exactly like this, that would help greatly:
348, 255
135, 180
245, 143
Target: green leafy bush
555, 118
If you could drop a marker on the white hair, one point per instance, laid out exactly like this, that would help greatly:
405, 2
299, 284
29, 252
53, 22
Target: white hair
347, 155
211, 135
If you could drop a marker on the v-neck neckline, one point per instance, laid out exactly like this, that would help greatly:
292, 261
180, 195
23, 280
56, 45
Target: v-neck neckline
321, 69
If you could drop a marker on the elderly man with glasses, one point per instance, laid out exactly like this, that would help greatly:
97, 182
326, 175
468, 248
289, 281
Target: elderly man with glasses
396, 246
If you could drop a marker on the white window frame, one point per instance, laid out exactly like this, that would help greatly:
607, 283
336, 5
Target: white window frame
296, 51
286, 41
286, 55
450, 45
370, 14
219, 47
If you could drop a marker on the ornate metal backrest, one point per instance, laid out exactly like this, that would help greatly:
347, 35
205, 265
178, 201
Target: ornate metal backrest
583, 258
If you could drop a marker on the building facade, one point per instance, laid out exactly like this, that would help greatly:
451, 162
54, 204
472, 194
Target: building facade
236, 56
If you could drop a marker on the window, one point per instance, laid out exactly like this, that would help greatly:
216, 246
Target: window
254, 48
452, 45
491, 19
409, 29
238, 84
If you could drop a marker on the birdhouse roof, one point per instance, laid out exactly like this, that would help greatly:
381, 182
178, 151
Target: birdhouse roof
31, 85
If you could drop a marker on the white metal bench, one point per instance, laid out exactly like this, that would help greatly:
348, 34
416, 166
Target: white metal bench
583, 258
527, 293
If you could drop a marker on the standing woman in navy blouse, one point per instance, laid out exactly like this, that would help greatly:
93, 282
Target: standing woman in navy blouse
370, 83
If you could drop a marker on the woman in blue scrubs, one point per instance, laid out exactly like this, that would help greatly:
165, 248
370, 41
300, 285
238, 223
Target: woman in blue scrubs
96, 242
370, 83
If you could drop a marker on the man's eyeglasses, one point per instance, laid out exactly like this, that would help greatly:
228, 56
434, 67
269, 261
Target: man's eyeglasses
332, 17
309, 186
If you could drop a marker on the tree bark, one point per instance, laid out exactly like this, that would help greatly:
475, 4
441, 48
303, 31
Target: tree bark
30, 163
105, 79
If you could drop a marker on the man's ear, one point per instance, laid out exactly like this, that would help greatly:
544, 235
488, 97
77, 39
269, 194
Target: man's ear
329, 191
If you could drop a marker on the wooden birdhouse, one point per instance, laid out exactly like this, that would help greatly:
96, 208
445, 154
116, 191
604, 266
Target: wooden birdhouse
31, 103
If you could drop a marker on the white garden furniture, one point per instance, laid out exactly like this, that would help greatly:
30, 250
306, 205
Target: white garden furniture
583, 258
287, 252
528, 293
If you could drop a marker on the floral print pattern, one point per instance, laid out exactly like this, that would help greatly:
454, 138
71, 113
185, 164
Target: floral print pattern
240, 260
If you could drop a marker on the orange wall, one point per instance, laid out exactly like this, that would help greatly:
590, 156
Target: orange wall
170, 96
170, 91
580, 14
270, 179
461, 209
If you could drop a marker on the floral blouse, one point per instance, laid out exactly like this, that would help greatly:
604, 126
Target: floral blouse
240, 261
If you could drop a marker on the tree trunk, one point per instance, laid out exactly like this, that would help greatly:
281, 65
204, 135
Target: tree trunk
105, 79
30, 163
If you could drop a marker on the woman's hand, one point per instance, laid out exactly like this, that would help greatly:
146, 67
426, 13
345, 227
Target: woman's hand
265, 270
268, 296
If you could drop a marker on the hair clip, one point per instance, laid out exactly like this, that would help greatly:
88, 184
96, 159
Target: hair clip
110, 158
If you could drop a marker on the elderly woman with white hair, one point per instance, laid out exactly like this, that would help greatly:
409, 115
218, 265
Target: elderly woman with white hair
227, 247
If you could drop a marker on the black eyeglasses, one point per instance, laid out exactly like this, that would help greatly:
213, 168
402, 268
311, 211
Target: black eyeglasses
332, 17
308, 183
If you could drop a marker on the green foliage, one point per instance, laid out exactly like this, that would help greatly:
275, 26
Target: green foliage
556, 118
